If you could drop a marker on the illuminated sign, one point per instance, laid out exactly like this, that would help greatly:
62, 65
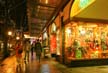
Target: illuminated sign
84, 3
79, 5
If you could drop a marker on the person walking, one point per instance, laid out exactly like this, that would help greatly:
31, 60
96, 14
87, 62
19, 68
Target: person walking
38, 49
27, 48
19, 50
32, 50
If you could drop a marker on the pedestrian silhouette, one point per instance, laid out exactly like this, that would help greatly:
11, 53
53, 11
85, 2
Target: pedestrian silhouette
38, 49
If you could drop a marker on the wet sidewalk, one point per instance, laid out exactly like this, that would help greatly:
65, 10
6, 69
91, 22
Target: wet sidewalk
47, 66
9, 65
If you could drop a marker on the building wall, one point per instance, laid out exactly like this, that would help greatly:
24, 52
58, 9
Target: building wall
66, 11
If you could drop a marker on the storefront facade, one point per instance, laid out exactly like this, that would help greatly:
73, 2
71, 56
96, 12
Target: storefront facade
52, 40
86, 41
55, 39
85, 37
83, 41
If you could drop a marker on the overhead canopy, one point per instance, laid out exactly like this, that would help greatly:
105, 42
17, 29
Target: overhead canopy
41, 13
97, 10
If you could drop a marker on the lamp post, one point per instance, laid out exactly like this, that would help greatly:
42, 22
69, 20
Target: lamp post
9, 34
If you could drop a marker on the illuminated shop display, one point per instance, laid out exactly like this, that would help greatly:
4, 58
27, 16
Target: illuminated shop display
58, 42
86, 40
53, 43
54, 39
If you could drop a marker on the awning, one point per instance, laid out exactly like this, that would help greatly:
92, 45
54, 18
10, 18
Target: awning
98, 11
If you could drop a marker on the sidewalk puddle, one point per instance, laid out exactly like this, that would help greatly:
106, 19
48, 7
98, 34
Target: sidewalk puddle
45, 68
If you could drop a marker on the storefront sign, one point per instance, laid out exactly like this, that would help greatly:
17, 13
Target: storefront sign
79, 5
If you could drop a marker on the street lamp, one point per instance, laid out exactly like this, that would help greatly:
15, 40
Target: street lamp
9, 33
17, 38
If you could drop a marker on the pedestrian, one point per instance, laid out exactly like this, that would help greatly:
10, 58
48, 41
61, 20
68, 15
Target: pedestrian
32, 49
27, 48
19, 51
38, 49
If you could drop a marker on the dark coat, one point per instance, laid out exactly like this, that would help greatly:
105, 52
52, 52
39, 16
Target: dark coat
38, 48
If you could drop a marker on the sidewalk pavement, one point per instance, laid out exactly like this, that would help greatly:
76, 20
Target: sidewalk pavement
47, 66
8, 65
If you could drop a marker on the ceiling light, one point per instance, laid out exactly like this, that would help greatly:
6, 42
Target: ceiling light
46, 1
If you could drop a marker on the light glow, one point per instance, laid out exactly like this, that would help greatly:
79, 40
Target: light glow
96, 52
17, 38
46, 1
68, 31
26, 36
82, 32
9, 33
45, 35
53, 27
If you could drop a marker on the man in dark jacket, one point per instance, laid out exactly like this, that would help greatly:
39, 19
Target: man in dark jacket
38, 49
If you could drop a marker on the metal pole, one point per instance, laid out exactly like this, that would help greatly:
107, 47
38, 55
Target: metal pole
5, 51
63, 40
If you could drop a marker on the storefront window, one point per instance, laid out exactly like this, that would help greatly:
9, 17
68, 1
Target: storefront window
86, 40
53, 41
58, 42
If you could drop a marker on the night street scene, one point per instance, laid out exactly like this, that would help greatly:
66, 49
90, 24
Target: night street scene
53, 36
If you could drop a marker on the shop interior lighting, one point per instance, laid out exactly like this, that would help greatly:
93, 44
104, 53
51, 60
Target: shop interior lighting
54, 27
82, 32
26, 36
68, 31
45, 35
96, 52
97, 48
